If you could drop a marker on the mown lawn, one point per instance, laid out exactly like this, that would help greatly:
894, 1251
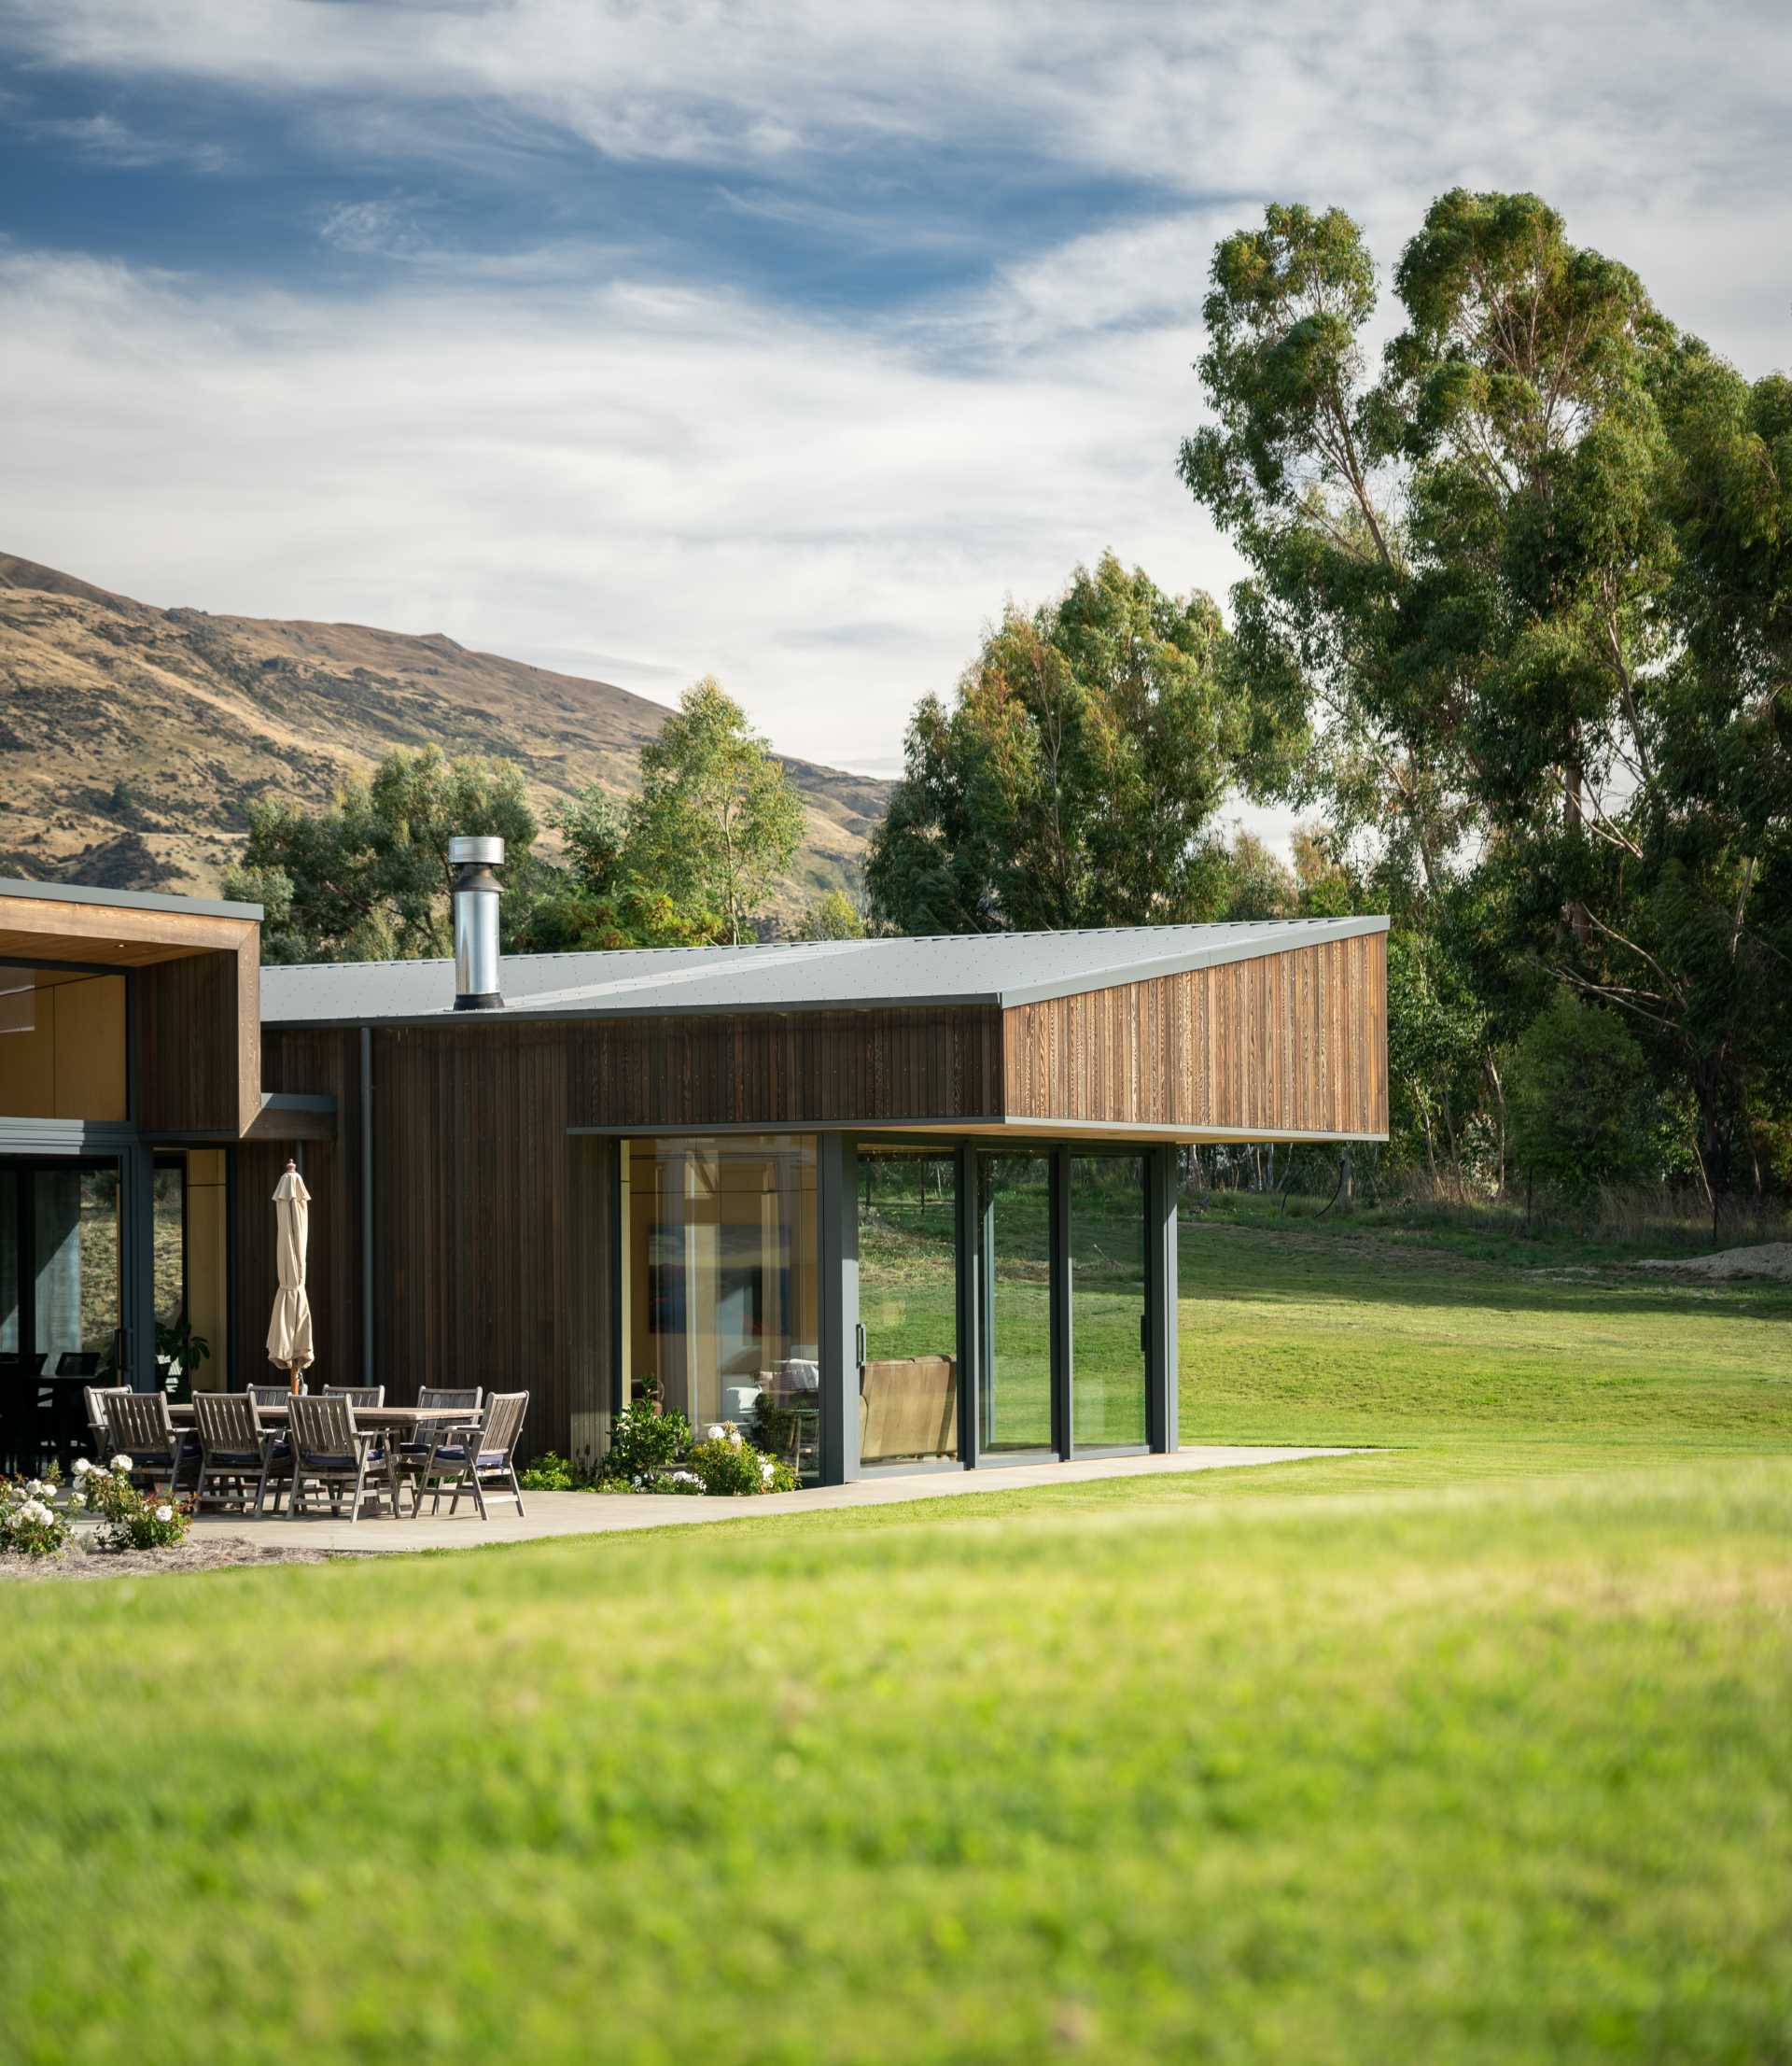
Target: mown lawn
1476, 1749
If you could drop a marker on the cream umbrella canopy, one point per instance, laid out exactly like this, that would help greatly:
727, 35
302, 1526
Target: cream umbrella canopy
289, 1330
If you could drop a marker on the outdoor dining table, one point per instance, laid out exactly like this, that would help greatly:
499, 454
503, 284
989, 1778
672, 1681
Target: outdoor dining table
390, 1420
386, 1420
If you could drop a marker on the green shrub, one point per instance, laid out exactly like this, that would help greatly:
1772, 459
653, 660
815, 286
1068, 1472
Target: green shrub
550, 1472
1581, 1103
645, 1442
732, 1467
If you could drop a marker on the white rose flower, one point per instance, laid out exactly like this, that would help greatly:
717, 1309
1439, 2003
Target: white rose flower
121, 1463
715, 1432
766, 1469
82, 1467
164, 1513
34, 1510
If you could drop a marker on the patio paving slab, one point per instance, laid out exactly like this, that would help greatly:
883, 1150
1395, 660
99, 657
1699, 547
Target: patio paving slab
554, 1514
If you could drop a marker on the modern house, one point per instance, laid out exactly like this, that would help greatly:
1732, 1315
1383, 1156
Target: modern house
888, 1204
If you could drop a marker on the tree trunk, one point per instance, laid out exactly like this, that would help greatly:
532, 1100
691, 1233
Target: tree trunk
1347, 1182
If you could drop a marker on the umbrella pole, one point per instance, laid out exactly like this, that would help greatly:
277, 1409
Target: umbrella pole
293, 1374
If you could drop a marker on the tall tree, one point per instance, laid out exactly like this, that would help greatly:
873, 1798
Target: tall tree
368, 878
715, 810
1076, 777
1465, 571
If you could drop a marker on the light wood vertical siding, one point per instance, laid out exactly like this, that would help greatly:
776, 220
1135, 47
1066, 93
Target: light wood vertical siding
1291, 1043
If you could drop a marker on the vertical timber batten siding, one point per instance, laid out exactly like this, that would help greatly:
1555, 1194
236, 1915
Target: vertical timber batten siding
196, 1031
1288, 1042
786, 1069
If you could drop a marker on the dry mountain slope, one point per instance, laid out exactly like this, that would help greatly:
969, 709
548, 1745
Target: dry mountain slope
132, 739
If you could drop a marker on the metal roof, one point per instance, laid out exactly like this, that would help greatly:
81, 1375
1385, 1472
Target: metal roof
126, 900
984, 968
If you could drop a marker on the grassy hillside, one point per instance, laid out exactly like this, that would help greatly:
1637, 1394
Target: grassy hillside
1473, 1748
132, 739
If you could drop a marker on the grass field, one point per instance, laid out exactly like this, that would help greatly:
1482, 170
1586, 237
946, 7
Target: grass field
1478, 1748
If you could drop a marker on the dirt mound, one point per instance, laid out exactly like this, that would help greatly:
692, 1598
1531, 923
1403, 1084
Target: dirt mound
1771, 1259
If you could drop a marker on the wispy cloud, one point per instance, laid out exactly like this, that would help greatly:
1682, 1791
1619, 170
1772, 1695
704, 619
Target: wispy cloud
104, 139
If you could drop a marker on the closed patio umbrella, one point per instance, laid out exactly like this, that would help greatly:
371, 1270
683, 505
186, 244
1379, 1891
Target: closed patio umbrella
289, 1330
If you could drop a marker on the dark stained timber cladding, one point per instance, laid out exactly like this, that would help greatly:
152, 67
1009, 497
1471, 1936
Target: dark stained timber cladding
192, 1025
470, 1261
322, 1061
786, 1069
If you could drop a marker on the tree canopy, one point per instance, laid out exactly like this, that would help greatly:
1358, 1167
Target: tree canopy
1525, 582
1077, 776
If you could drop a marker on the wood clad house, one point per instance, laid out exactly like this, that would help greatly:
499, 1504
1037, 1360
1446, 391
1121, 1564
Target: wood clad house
888, 1204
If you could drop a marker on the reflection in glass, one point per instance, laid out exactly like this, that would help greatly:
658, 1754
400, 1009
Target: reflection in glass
75, 1261
719, 1310
908, 1306
8, 1263
1015, 1406
1107, 1301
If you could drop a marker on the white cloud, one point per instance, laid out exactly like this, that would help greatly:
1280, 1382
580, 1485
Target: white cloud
824, 513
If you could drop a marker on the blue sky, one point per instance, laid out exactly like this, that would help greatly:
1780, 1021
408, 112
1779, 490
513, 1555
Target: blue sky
784, 342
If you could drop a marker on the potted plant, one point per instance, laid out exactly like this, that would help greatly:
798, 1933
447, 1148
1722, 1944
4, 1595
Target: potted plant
179, 1352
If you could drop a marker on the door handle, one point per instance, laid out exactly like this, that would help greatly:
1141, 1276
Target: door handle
858, 1343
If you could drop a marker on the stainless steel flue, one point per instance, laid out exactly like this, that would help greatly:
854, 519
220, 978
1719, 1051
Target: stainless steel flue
476, 894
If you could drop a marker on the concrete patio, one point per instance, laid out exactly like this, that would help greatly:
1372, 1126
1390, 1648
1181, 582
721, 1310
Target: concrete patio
554, 1515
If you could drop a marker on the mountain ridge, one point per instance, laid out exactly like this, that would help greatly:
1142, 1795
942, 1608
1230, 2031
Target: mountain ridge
133, 738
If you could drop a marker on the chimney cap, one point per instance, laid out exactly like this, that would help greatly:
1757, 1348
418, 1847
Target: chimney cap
478, 848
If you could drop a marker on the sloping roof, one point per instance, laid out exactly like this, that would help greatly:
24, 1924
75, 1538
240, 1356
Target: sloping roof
126, 900
989, 968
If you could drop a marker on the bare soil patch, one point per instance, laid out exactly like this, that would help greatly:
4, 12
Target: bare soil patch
1770, 1258
209, 1552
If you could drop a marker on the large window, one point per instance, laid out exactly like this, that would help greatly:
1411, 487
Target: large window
1015, 1408
720, 1314
1107, 1235
909, 1307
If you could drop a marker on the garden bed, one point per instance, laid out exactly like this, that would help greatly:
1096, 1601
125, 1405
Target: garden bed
81, 1557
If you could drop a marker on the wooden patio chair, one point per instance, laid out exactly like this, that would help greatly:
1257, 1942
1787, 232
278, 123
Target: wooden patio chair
234, 1447
275, 1395
96, 1397
138, 1426
329, 1450
460, 1459
411, 1455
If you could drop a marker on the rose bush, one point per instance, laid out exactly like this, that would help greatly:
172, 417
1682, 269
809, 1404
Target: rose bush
29, 1524
129, 1519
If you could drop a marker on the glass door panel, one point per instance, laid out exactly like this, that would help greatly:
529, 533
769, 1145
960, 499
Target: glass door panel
1107, 1301
909, 1307
1014, 1408
74, 1264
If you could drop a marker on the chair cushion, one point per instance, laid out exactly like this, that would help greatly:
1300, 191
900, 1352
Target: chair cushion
330, 1463
216, 1458
493, 1459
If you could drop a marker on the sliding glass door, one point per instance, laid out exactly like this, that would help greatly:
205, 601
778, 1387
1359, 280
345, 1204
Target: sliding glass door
909, 1307
1107, 1304
1015, 1402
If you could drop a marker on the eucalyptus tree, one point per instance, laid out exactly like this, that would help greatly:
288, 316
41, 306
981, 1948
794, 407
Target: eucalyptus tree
1077, 775
1466, 568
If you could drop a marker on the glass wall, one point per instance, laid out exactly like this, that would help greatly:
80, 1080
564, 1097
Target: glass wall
909, 1307
1107, 1291
1014, 1408
719, 1285
74, 1264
